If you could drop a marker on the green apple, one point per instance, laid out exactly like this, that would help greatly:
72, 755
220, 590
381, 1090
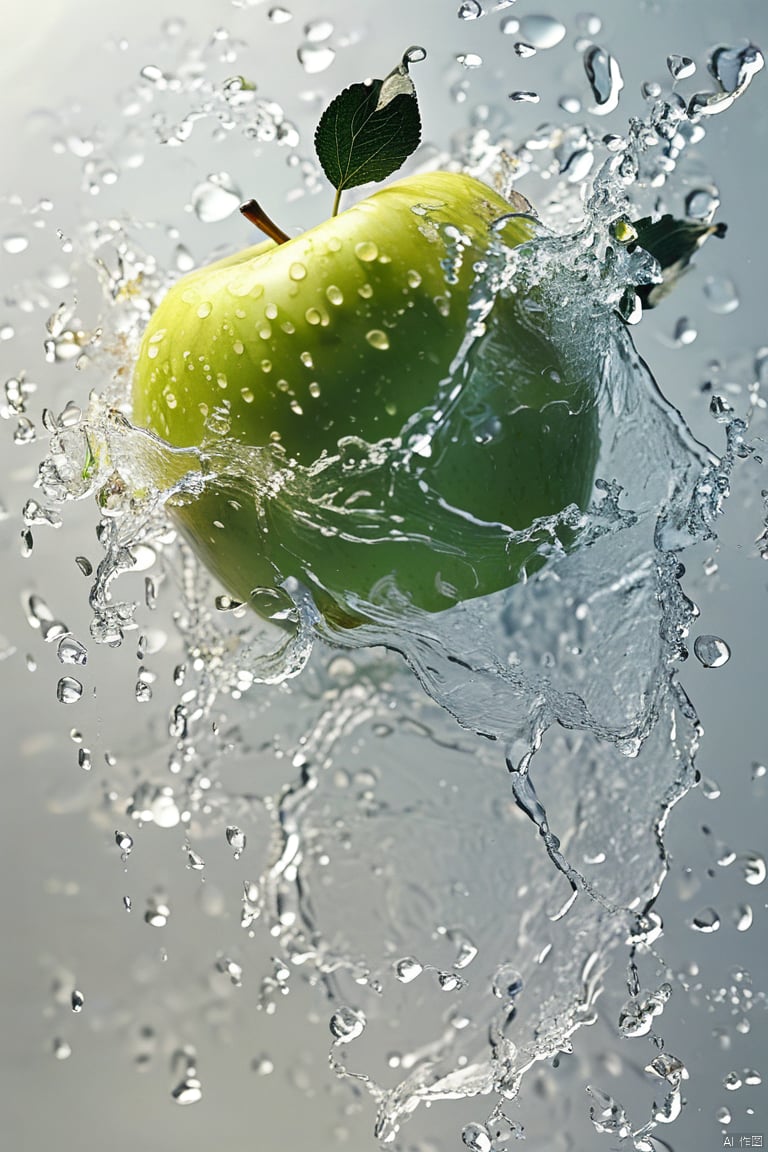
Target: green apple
351, 445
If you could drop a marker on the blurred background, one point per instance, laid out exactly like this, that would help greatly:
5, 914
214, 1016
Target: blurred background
103, 1076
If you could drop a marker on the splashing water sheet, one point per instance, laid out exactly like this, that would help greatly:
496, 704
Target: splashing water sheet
370, 885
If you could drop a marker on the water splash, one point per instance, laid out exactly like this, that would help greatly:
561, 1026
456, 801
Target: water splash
569, 677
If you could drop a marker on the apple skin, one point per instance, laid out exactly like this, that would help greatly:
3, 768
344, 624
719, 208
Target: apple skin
345, 337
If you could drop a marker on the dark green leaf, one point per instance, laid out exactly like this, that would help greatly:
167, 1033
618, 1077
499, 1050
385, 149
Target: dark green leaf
673, 243
370, 129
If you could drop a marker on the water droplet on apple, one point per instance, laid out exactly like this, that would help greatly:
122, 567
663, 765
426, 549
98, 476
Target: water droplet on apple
204, 309
377, 339
312, 316
366, 251
334, 294
297, 271
414, 278
365, 291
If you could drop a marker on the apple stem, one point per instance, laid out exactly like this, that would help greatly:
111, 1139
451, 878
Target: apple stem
336, 202
254, 213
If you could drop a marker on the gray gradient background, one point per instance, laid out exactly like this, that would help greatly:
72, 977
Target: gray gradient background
60, 884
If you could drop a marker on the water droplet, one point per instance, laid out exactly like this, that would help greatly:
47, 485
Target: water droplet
721, 295
377, 339
588, 23
183, 259
347, 1024
408, 969
68, 690
541, 31
470, 10
297, 271
754, 868
449, 981
707, 920
315, 58
318, 30
684, 332
734, 68
84, 759
157, 913
524, 51
204, 309
61, 1049
216, 198
188, 1091
732, 1081
476, 1137
711, 651
605, 79
366, 251
680, 67
469, 59
71, 651
280, 15
263, 1065
78, 1001
723, 1116
510, 26
525, 97
236, 840
752, 1078
124, 842
507, 982
232, 969
743, 917
570, 104
334, 294
15, 243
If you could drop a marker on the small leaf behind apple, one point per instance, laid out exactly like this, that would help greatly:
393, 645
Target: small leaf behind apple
370, 129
